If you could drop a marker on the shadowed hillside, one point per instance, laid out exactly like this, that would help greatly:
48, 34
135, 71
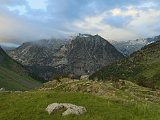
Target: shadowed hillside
13, 76
142, 67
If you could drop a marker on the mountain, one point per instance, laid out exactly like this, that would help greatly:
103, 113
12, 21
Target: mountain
130, 46
142, 67
87, 54
39, 52
40, 57
84, 54
13, 76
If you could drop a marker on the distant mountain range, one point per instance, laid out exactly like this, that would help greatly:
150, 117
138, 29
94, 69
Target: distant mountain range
80, 55
84, 54
13, 75
129, 46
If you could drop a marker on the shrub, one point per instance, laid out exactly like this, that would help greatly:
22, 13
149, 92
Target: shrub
145, 82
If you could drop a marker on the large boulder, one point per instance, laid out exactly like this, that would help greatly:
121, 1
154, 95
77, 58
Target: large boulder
70, 109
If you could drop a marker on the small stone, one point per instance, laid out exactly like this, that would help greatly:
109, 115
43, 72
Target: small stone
146, 99
18, 91
88, 90
84, 77
2, 89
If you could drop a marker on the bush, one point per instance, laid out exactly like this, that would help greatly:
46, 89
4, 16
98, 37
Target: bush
58, 77
156, 77
145, 82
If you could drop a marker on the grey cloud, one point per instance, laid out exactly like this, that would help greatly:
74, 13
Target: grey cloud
57, 19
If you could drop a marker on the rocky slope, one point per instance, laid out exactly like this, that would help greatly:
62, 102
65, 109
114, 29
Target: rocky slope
39, 52
114, 90
13, 76
84, 54
90, 53
130, 46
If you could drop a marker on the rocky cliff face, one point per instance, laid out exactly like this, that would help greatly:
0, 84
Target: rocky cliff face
83, 55
87, 54
40, 52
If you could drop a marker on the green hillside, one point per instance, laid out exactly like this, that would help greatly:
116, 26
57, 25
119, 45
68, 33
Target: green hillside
126, 101
13, 76
142, 67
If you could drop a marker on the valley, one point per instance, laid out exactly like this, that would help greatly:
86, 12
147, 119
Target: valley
79, 60
109, 85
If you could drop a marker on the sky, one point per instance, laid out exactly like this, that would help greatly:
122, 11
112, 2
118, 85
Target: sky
27, 20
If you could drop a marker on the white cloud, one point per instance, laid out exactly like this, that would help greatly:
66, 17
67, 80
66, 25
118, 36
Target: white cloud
144, 23
129, 12
20, 9
95, 25
24, 20
38, 4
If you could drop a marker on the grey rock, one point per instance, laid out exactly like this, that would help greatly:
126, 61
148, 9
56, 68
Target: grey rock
70, 109
84, 77
2, 89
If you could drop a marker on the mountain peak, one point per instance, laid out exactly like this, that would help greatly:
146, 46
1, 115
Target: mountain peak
87, 35
82, 55
84, 35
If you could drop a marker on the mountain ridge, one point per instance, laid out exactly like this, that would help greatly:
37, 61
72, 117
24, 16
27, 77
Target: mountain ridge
84, 54
130, 46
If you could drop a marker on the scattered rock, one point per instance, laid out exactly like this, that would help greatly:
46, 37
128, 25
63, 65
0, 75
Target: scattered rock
18, 91
146, 99
84, 77
2, 89
70, 109
88, 90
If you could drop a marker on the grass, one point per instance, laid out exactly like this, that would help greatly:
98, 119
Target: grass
13, 75
11, 80
31, 106
122, 90
105, 101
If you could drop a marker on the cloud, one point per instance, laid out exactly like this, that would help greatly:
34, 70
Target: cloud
41, 4
13, 2
95, 25
146, 24
25, 20
131, 23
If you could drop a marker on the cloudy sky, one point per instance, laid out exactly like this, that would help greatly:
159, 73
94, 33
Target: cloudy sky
25, 20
